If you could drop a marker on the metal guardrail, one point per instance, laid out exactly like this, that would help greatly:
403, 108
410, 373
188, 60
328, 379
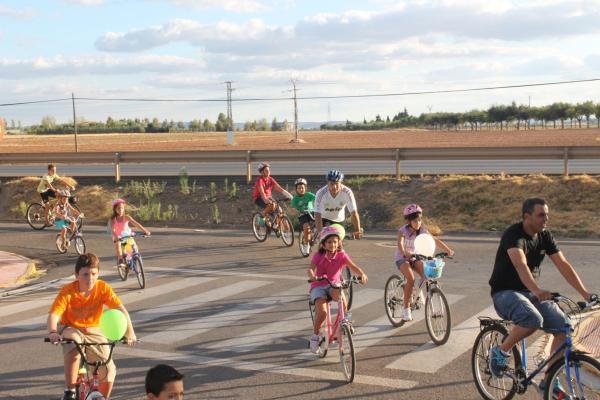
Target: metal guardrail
249, 156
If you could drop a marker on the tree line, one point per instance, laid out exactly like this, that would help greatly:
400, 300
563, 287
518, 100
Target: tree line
496, 117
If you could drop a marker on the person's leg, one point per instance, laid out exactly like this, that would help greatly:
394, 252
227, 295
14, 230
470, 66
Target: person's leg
410, 281
63, 233
119, 250
555, 323
107, 373
321, 310
71, 357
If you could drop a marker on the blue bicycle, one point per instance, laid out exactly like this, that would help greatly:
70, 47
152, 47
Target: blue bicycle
574, 374
133, 259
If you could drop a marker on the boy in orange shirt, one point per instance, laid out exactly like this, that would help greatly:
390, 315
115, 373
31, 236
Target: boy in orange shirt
78, 307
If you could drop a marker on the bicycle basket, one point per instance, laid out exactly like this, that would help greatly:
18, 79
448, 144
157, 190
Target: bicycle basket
433, 268
128, 245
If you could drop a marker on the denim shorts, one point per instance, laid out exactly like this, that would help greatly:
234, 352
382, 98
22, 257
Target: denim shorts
403, 260
524, 310
320, 292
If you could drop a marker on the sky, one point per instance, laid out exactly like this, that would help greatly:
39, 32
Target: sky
187, 49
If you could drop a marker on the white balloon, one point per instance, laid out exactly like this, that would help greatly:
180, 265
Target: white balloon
425, 245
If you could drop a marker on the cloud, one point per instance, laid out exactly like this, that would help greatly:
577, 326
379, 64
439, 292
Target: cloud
86, 2
104, 65
16, 14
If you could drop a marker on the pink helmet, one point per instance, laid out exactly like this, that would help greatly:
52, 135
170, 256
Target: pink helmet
328, 231
116, 202
411, 209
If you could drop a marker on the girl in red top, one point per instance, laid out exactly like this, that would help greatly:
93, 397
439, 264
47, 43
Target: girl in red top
261, 196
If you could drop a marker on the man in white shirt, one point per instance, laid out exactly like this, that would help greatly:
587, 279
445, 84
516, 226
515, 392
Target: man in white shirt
331, 202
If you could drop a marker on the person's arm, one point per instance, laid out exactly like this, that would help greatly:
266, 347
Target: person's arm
282, 191
74, 211
311, 271
356, 223
318, 222
52, 325
444, 246
129, 334
319, 211
263, 196
568, 272
135, 223
401, 246
62, 181
357, 271
518, 259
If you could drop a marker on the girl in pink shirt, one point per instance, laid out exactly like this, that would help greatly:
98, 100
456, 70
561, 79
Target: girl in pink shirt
328, 261
119, 224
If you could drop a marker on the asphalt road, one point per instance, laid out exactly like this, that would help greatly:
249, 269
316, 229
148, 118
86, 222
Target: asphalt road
231, 314
295, 168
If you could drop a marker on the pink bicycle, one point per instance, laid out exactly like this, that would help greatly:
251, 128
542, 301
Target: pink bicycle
339, 331
88, 382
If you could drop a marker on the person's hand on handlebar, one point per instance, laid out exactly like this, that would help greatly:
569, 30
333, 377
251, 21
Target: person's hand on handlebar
357, 234
364, 278
54, 337
543, 295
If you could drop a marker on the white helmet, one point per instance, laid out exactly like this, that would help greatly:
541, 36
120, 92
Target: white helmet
263, 165
300, 181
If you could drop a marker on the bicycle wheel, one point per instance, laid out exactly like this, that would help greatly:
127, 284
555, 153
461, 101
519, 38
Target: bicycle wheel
583, 376
437, 316
36, 216
347, 356
123, 271
349, 291
393, 299
138, 267
304, 247
60, 244
490, 387
287, 231
259, 229
79, 245
79, 223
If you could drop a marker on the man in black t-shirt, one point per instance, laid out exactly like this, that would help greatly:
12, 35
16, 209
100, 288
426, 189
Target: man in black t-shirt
516, 295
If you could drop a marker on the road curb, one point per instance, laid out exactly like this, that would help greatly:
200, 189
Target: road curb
15, 269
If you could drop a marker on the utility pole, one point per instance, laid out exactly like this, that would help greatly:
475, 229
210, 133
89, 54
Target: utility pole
296, 139
229, 114
74, 122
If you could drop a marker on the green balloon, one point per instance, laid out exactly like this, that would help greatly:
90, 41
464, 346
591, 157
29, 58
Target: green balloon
340, 230
113, 324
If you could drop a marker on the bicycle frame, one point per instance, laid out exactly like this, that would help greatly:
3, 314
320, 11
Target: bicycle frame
333, 328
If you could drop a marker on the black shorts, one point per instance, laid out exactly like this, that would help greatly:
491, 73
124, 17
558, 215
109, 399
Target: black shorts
327, 222
259, 202
305, 219
47, 194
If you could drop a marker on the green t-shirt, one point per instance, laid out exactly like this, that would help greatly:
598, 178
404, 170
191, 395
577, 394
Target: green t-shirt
43, 186
304, 203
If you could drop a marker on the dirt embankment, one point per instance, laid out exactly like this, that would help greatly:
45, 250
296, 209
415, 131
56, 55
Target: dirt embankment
451, 203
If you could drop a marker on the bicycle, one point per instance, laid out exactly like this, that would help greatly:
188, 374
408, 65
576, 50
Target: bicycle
437, 311
133, 259
36, 213
340, 331
306, 247
88, 383
280, 223
63, 245
580, 380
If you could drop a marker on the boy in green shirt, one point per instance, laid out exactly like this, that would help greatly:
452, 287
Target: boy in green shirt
304, 203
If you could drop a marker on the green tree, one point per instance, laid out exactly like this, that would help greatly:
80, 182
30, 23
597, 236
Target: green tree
586, 109
275, 126
221, 124
208, 126
48, 122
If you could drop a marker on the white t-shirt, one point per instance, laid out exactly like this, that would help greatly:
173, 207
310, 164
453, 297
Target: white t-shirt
333, 208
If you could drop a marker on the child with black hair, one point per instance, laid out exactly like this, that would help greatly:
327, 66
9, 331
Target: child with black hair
164, 382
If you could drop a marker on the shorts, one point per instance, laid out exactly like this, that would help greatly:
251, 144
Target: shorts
47, 194
524, 310
320, 292
327, 222
260, 202
92, 353
403, 260
62, 223
305, 219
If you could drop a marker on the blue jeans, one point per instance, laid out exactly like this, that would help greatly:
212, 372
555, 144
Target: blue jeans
525, 310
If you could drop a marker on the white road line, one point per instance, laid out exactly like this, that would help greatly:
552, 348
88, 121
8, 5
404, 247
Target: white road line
272, 332
196, 300
180, 332
193, 271
430, 358
129, 297
376, 330
314, 373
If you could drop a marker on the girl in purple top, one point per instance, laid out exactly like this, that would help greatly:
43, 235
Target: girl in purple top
328, 261
406, 249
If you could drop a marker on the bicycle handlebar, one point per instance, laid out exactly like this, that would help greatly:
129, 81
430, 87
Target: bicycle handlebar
67, 341
343, 284
581, 304
133, 234
438, 255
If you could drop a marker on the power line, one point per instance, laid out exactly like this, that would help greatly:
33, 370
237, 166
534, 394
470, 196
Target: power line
442, 91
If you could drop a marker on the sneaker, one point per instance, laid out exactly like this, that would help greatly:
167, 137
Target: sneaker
306, 248
558, 391
498, 361
69, 395
406, 315
121, 264
314, 343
